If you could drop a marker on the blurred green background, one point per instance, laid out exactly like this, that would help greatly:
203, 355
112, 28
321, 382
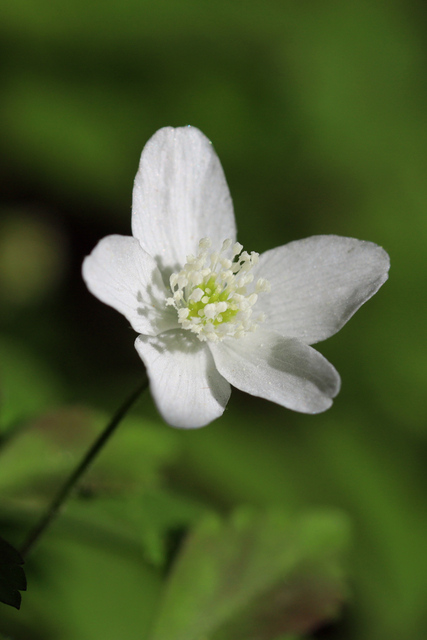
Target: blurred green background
318, 112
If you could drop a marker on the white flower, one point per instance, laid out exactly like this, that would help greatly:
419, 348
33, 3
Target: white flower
210, 315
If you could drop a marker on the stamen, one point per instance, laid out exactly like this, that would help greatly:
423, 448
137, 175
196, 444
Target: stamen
211, 293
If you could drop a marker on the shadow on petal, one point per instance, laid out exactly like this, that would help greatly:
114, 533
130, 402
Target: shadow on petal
290, 356
178, 341
152, 304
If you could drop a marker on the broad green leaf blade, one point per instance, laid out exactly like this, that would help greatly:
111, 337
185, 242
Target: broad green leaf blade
42, 455
12, 576
256, 577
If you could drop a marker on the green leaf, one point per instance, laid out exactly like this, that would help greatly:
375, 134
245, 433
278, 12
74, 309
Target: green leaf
43, 454
258, 576
12, 576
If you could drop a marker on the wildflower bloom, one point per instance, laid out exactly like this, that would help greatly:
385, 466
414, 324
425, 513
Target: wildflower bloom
209, 314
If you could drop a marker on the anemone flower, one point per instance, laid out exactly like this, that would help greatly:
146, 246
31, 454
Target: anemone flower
209, 314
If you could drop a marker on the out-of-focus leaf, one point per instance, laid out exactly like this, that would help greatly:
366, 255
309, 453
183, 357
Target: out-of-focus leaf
256, 577
152, 522
44, 453
163, 518
12, 576
85, 588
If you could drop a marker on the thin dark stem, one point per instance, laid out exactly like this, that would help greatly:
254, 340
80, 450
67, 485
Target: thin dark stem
75, 476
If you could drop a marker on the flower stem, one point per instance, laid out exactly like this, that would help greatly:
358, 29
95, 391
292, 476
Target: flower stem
75, 476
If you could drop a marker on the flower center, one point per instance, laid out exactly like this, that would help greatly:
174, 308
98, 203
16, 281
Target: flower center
211, 293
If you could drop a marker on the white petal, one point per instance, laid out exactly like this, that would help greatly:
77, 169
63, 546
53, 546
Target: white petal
186, 386
279, 369
318, 283
180, 196
124, 276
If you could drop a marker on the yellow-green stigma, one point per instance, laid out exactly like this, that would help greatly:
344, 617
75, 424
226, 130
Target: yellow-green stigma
211, 293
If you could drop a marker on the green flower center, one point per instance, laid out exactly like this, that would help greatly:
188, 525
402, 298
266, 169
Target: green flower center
213, 294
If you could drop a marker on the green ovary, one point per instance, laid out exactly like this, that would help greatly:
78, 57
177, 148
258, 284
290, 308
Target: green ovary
215, 294
226, 316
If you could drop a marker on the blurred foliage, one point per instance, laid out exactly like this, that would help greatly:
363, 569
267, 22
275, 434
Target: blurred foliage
318, 113
276, 574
